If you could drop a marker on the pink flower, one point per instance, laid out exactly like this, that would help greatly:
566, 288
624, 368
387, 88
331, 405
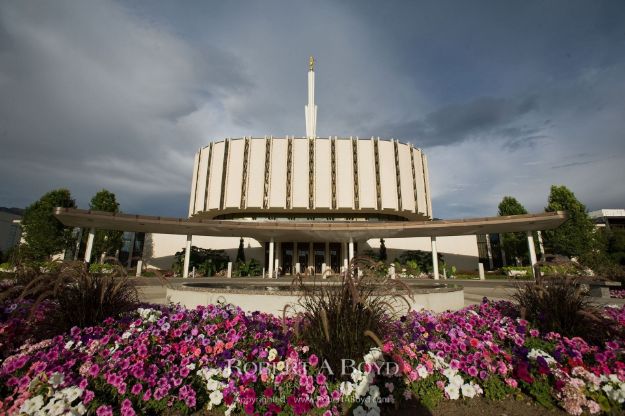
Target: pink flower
313, 360
104, 410
322, 401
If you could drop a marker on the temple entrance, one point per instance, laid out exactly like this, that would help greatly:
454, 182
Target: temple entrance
335, 257
287, 258
319, 250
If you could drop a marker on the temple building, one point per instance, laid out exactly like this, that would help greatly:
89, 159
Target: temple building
310, 203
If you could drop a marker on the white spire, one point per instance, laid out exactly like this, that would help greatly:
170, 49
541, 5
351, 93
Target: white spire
311, 109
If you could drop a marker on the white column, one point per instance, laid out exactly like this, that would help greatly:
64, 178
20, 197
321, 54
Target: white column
89, 245
351, 248
345, 256
541, 246
131, 250
187, 257
311, 108
434, 258
530, 245
327, 256
490, 252
270, 259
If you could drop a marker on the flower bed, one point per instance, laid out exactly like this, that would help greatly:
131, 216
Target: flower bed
617, 293
169, 359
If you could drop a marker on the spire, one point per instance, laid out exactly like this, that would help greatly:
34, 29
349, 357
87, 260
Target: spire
310, 109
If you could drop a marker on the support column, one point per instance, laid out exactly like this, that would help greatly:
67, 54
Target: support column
351, 248
311, 257
187, 257
131, 250
296, 259
327, 256
345, 257
434, 258
270, 265
540, 245
530, 246
489, 250
89, 245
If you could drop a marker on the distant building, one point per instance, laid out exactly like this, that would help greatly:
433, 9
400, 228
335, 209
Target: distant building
10, 230
609, 218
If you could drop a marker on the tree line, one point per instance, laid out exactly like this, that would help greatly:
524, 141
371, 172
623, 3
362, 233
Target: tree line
44, 235
600, 249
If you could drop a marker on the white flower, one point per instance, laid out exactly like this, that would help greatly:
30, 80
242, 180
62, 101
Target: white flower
374, 392
56, 379
226, 372
535, 353
422, 371
55, 408
374, 411
212, 384
468, 391
346, 388
280, 365
80, 409
362, 388
273, 353
456, 380
230, 409
216, 397
32, 405
69, 344
356, 375
369, 358
359, 411
453, 391
126, 335
72, 393
449, 373
191, 366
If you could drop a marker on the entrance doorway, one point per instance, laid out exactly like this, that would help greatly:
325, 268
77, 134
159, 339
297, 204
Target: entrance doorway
319, 250
287, 258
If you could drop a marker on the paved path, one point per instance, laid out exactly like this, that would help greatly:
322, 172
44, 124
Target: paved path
151, 290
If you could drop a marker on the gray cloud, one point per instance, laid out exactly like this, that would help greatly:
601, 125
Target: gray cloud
121, 94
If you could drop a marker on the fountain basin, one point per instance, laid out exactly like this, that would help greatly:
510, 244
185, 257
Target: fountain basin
273, 297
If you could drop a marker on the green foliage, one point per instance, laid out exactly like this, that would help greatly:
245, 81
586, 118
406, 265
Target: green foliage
427, 392
105, 241
382, 256
241, 252
206, 261
576, 237
417, 259
495, 389
251, 268
43, 233
514, 244
540, 390
616, 246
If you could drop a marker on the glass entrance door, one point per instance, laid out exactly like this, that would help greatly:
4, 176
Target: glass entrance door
287, 258
320, 256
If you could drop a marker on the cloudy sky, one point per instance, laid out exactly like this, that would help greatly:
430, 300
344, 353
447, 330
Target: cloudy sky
505, 97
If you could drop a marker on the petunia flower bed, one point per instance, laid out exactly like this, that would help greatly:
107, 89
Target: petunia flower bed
172, 360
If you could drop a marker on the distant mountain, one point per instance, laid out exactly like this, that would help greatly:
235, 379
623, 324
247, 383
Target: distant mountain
15, 211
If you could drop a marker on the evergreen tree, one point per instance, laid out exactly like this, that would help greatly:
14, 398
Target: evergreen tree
241, 252
514, 244
105, 241
43, 233
576, 237
383, 256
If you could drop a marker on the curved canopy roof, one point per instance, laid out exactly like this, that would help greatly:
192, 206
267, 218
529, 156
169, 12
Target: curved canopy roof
309, 230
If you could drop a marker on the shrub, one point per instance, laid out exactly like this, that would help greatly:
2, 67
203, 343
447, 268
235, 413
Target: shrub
559, 304
74, 297
344, 320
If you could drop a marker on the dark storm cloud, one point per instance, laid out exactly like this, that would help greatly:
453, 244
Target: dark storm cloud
458, 122
121, 94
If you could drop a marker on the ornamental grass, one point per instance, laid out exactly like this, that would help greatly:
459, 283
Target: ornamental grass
343, 320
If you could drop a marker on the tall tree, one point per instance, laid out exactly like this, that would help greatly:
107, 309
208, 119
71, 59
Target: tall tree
241, 252
106, 241
383, 256
43, 233
577, 236
514, 244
